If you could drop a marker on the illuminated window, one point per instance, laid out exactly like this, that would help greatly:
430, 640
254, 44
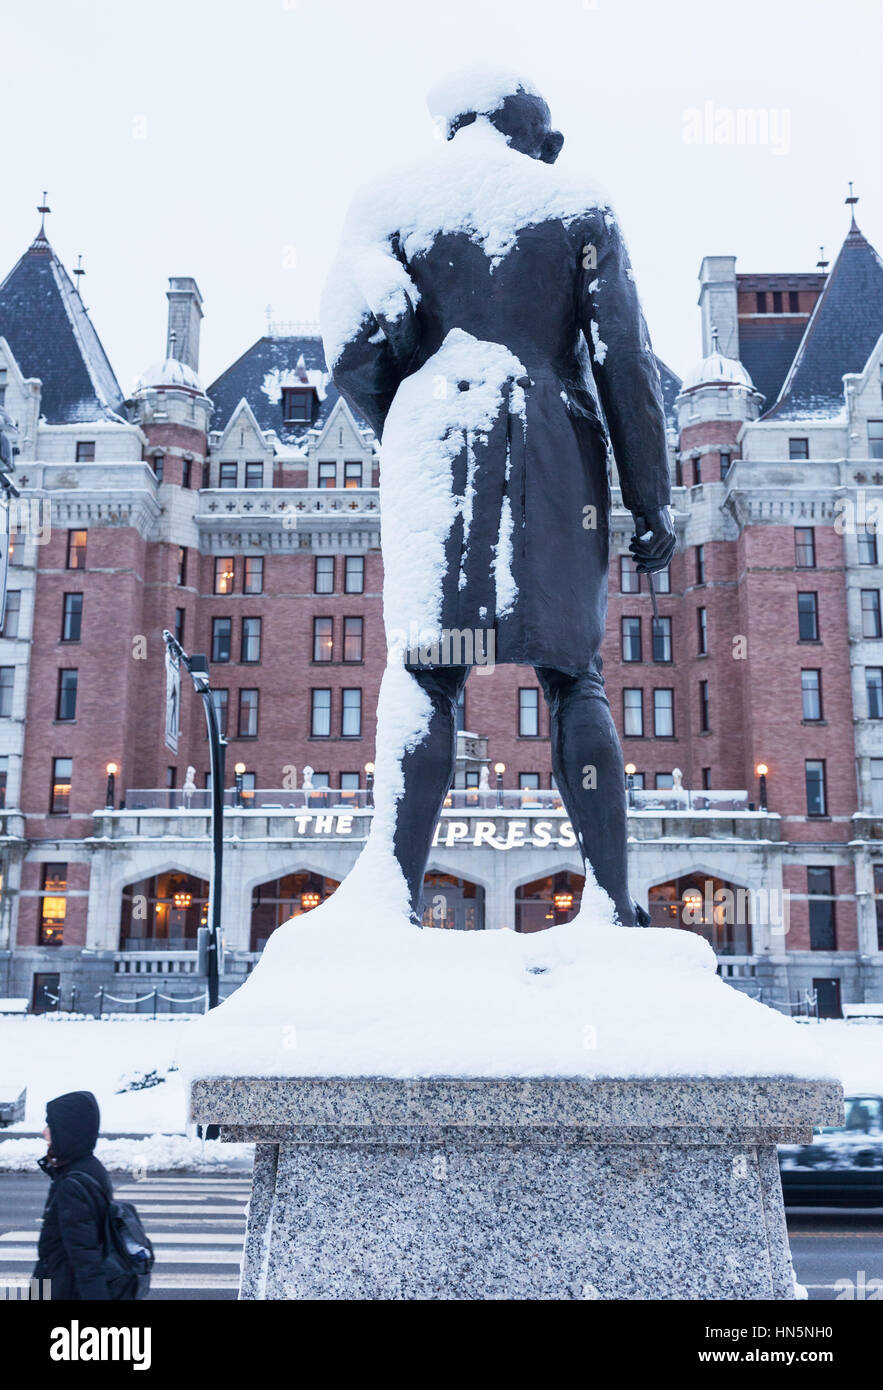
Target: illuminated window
224, 574
76, 550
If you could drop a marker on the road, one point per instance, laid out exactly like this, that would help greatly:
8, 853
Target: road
197, 1223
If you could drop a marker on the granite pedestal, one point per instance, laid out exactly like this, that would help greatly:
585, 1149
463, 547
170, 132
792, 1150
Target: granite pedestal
540, 1188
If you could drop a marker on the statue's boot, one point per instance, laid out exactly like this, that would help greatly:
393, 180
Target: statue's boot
588, 768
428, 771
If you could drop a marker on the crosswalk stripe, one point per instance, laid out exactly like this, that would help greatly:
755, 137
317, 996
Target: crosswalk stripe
163, 1238
23, 1254
195, 1213
177, 1280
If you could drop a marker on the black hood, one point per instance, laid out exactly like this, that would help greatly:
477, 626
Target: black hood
74, 1120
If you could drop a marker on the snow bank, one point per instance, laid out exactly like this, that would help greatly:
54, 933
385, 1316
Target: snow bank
352, 989
158, 1153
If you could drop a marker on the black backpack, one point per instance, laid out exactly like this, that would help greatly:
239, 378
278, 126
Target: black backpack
128, 1253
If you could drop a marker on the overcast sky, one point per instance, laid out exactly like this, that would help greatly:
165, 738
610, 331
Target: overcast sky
223, 139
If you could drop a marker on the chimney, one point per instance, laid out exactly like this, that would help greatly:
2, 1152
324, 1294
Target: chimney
718, 302
185, 315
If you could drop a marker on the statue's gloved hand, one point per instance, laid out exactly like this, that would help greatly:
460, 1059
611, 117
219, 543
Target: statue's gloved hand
654, 541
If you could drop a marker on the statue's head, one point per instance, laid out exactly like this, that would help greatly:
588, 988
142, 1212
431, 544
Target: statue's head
510, 102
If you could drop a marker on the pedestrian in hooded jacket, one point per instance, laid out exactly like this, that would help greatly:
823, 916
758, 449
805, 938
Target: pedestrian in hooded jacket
71, 1249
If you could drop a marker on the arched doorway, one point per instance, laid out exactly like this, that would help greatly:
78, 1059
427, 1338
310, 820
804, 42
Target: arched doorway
546, 902
709, 906
272, 903
163, 912
453, 903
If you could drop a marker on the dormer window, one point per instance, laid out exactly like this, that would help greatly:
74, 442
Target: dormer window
297, 405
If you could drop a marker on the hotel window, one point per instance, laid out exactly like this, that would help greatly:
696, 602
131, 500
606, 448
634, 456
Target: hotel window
328, 474
816, 789
225, 572
867, 547
253, 576
877, 786
664, 713
222, 632
250, 648
874, 686
354, 575
60, 790
528, 713
228, 475
349, 782
72, 619
725, 462
352, 474
221, 699
460, 710
53, 904
704, 724
66, 702
878, 903
323, 581
296, 405
17, 543
822, 923
629, 576
697, 470
320, 714
663, 781
661, 631
777, 301
186, 469
631, 639
871, 613
662, 580
875, 439
182, 566
808, 617
798, 448
76, 550
86, 451
247, 726
700, 564
4, 778
472, 781
159, 464
702, 631
351, 716
352, 639
179, 625
13, 613
171, 778
254, 475
7, 685
706, 779
811, 687
529, 781
793, 302
804, 547
760, 301
323, 639
633, 713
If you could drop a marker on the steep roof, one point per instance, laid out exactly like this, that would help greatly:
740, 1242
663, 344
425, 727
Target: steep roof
261, 373
840, 336
45, 322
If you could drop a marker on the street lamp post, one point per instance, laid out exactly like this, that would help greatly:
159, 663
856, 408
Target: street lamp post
110, 795
369, 784
630, 771
762, 771
499, 769
197, 669
239, 771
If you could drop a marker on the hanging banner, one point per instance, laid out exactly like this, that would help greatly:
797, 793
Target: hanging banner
173, 700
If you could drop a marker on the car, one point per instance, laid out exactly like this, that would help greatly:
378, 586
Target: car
843, 1166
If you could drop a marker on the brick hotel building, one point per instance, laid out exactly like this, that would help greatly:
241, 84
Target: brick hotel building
245, 517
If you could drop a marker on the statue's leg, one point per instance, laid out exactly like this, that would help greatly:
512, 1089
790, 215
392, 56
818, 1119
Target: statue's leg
588, 767
428, 772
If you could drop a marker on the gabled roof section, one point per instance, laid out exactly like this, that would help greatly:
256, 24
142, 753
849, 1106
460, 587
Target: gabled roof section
242, 411
45, 322
840, 336
263, 372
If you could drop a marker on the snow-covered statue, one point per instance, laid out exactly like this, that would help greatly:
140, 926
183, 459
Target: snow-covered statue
482, 315
189, 787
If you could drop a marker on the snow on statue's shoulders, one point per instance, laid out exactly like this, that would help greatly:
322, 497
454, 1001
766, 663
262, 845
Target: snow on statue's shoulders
474, 183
